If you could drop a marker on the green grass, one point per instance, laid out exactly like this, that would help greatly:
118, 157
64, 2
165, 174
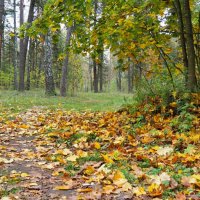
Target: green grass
17, 101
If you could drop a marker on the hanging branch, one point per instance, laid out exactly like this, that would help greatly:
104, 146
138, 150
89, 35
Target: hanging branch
168, 69
146, 80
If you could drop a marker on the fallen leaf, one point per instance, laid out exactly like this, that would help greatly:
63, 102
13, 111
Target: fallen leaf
72, 158
85, 190
154, 190
107, 159
138, 191
108, 189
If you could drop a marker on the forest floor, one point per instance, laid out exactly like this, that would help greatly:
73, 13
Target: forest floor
151, 153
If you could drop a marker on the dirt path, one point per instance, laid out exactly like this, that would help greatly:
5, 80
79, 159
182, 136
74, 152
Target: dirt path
24, 169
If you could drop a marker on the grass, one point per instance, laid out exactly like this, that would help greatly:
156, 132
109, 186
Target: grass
17, 101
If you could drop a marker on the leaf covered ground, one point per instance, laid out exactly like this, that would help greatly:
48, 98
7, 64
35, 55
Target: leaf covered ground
150, 153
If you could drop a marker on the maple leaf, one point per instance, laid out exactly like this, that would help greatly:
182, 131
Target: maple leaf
155, 190
108, 189
107, 159
188, 180
163, 151
97, 145
64, 152
119, 140
119, 179
138, 191
72, 158
89, 170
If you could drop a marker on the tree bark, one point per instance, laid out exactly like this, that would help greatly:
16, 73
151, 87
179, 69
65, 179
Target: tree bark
49, 81
24, 42
130, 77
192, 81
95, 71
21, 53
2, 14
30, 64
119, 80
63, 82
100, 67
182, 37
15, 48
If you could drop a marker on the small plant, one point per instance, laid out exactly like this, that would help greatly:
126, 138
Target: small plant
72, 168
91, 137
73, 138
93, 157
130, 177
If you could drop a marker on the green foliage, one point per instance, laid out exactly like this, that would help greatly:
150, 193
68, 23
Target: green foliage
96, 156
130, 177
75, 75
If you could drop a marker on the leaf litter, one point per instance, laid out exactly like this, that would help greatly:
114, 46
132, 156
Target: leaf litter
57, 154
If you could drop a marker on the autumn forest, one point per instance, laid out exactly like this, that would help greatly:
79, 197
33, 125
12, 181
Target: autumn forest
99, 99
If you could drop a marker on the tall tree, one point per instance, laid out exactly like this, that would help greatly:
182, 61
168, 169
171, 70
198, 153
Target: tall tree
24, 42
63, 83
95, 71
192, 81
130, 76
177, 4
15, 47
2, 15
21, 53
49, 81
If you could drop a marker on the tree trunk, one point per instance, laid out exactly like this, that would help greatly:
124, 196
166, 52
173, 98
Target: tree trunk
182, 37
192, 81
100, 67
24, 42
95, 76
95, 71
119, 80
2, 14
15, 49
30, 64
63, 82
21, 54
130, 77
49, 81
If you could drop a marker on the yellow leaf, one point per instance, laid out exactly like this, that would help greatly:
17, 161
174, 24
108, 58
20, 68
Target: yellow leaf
108, 189
139, 191
64, 152
126, 187
119, 140
119, 179
23, 175
173, 104
155, 190
82, 153
62, 187
107, 159
89, 170
85, 190
33, 184
97, 145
